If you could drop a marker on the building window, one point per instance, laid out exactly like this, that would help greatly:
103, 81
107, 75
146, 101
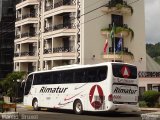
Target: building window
149, 86
117, 20
141, 90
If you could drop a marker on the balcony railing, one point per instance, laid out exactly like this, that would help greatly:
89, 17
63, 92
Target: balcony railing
18, 19
29, 15
118, 6
124, 49
118, 25
119, 30
17, 36
60, 26
61, 3
22, 54
58, 50
28, 34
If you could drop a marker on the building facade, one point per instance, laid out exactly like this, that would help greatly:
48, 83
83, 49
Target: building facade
60, 32
7, 36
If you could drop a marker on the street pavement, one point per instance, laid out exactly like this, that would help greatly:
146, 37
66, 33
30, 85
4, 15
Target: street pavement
29, 114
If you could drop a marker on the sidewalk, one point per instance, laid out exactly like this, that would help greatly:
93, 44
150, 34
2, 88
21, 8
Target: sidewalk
154, 114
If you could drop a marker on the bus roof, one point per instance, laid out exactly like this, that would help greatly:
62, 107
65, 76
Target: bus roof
66, 67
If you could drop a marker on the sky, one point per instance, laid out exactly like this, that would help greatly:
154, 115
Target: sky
152, 21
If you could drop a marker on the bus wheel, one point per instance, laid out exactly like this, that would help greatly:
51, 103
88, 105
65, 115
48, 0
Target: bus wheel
77, 107
35, 105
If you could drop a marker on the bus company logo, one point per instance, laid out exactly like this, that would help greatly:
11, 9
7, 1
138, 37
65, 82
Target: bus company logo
125, 72
96, 96
125, 90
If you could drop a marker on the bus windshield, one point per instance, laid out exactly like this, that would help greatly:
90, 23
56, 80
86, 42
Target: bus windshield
124, 71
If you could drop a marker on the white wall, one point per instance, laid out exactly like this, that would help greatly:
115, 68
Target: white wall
92, 42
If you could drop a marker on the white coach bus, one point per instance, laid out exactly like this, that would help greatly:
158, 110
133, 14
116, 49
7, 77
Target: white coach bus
109, 86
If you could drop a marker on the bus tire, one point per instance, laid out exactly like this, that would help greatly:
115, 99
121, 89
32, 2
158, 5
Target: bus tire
78, 107
35, 105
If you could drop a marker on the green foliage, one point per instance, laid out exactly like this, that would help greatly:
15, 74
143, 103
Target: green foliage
9, 83
1, 102
153, 50
142, 104
151, 98
119, 6
120, 29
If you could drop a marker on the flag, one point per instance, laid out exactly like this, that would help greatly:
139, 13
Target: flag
105, 46
119, 45
112, 32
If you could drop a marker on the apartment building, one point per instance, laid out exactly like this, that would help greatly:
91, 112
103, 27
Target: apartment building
60, 32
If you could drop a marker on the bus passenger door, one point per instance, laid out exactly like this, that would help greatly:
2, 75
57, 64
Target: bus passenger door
27, 100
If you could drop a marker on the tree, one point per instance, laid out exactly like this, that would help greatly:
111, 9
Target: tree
9, 83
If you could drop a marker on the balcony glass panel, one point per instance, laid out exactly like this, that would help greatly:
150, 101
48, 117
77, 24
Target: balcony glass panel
60, 3
22, 54
60, 26
58, 50
28, 34
29, 15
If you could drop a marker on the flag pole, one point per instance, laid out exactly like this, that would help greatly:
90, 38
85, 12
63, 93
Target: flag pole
122, 48
108, 51
114, 42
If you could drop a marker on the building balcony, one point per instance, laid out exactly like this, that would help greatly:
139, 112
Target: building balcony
65, 29
18, 19
114, 7
58, 50
24, 3
28, 34
119, 31
59, 53
60, 7
59, 4
124, 55
60, 26
25, 56
26, 66
26, 38
29, 15
29, 18
22, 54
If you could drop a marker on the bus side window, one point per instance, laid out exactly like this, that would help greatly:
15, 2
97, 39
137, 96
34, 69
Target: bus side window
91, 75
46, 78
102, 73
37, 79
56, 78
28, 84
79, 76
67, 76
